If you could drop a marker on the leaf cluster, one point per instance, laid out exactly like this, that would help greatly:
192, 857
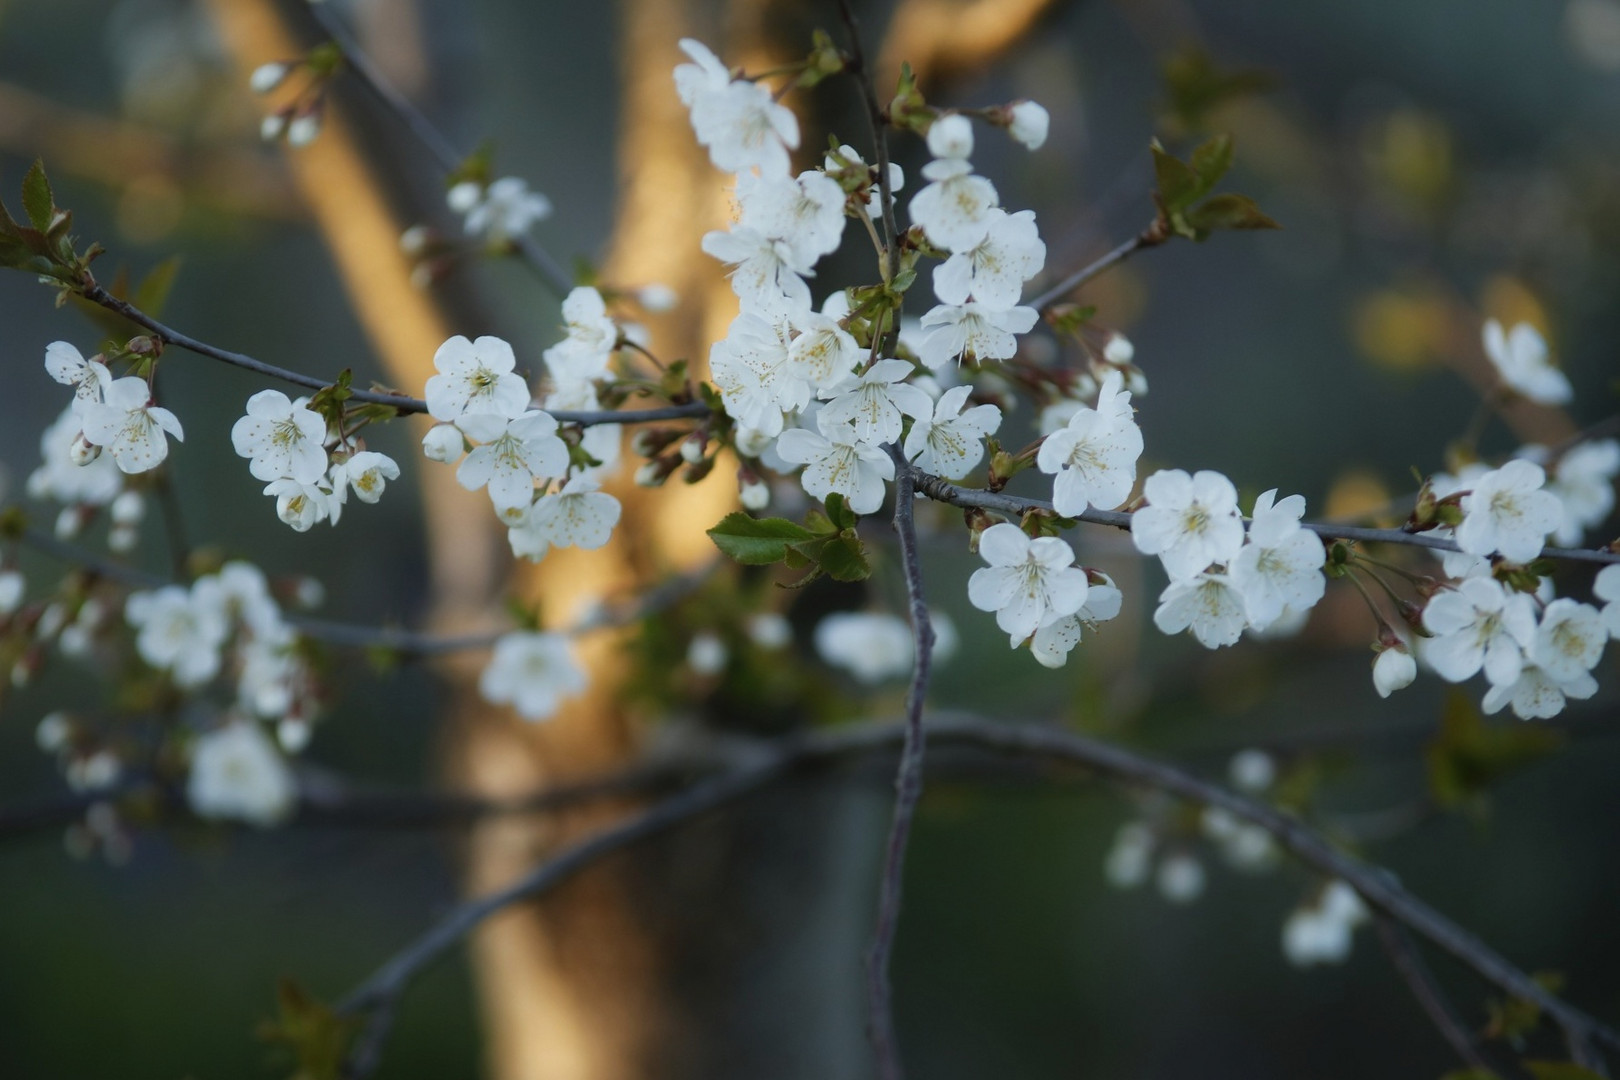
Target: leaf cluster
41, 243
826, 543
1186, 205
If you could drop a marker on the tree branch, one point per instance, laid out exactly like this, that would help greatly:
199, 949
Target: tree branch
907, 784
1148, 237
1377, 887
556, 278
1431, 998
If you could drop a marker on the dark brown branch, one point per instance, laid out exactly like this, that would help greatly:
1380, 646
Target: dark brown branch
907, 783
1377, 888
556, 278
1148, 237
1431, 998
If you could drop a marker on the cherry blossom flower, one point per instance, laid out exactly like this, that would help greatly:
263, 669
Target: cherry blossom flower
1252, 770
706, 654
1181, 878
1393, 669
706, 75
1028, 583
59, 477
281, 437
1281, 565
1607, 588
1536, 695
739, 121
994, 270
476, 378
580, 515
1210, 605
1322, 932
506, 210
13, 586
1570, 640
1190, 522
951, 136
1029, 124
130, 426
1507, 512
836, 460
1130, 859
1479, 624
947, 441
444, 443
238, 774
89, 378
1094, 455
515, 453
179, 631
984, 332
368, 472
823, 355
533, 672
303, 506
767, 272
806, 212
592, 337
1520, 357
1053, 642
872, 646
875, 402
1583, 481
954, 210
750, 367
846, 157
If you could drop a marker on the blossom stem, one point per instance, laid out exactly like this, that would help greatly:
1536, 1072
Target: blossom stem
908, 781
876, 123
1146, 238
552, 273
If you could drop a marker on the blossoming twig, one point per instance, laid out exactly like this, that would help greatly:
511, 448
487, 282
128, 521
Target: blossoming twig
378, 994
556, 278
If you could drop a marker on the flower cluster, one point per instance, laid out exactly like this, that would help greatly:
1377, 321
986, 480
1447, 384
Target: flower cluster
117, 415
498, 213
287, 444
874, 647
1038, 594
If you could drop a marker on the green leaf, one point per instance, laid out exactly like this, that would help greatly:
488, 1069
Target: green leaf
38, 202
1211, 161
1470, 1074
1228, 212
317, 1036
1468, 755
843, 557
152, 294
839, 513
757, 541
1178, 184
1560, 1070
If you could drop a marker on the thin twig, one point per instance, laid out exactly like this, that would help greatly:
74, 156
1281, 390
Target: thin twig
556, 278
1145, 238
907, 783
877, 125
1431, 998
1376, 886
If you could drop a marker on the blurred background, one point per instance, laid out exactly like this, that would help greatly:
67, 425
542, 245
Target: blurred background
1431, 164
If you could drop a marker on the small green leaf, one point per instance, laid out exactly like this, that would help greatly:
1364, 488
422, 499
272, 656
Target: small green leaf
843, 557
1228, 212
1211, 161
1178, 184
1470, 1074
839, 513
1560, 1070
316, 1035
38, 202
757, 541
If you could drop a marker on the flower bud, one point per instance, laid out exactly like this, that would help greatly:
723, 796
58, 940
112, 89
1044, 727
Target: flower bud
657, 298
128, 508
1393, 669
464, 196
272, 127
754, 494
70, 521
51, 620
951, 136
266, 77
123, 538
769, 630
1252, 771
649, 442
415, 240
83, 451
12, 587
1181, 878
443, 442
1029, 124
653, 473
143, 345
304, 128
75, 641
692, 448
308, 593
293, 734
707, 654
1119, 350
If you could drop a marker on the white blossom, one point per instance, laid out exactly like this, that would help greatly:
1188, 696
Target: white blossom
303, 128
1536, 695
1322, 932
1130, 859
1029, 124
823, 355
301, 505
281, 437
368, 473
806, 212
1393, 669
533, 672
1053, 642
1570, 640
1208, 604
1094, 455
770, 630
592, 337
871, 646
948, 442
1190, 522
1029, 583
475, 378
767, 273
603, 442
89, 378
951, 136
266, 77
1507, 512
1181, 878
506, 210
875, 402
515, 453
180, 631
739, 121
1607, 588
580, 515
1252, 770
13, 587
750, 367
1244, 846
973, 329
994, 270
954, 209
1583, 480
130, 426
444, 443
1479, 624
1280, 567
836, 460
237, 773
706, 654
1520, 357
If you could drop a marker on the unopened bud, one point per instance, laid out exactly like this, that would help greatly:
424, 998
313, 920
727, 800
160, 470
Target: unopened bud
657, 298
293, 734
273, 127
650, 442
83, 451
707, 654
415, 240
12, 587
70, 521
655, 472
53, 732
266, 77
1119, 350
464, 196
304, 128
951, 136
693, 447
143, 345
123, 538
697, 472
443, 442
1028, 123
308, 593
127, 509
754, 494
